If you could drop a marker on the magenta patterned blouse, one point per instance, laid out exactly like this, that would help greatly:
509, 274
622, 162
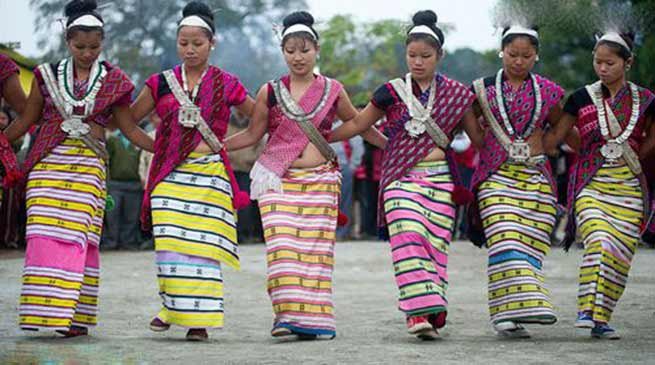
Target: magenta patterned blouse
219, 91
520, 111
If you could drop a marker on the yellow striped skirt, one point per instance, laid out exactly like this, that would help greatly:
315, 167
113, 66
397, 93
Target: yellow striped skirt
609, 212
194, 226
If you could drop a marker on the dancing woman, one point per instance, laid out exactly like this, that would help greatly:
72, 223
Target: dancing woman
420, 185
607, 196
516, 203
72, 100
191, 191
297, 182
12, 92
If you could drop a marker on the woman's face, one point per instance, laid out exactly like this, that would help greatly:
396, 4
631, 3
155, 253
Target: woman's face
519, 57
4, 120
422, 59
300, 55
609, 66
194, 46
85, 47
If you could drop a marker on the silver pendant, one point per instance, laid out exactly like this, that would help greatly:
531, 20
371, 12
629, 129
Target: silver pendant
75, 127
189, 116
612, 151
415, 127
519, 151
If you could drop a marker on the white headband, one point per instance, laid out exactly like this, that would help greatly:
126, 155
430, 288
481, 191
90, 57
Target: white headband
424, 29
296, 28
519, 29
194, 21
87, 20
614, 37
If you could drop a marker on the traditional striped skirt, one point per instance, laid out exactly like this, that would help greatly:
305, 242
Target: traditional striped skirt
609, 212
194, 226
299, 229
65, 207
66, 193
421, 216
518, 209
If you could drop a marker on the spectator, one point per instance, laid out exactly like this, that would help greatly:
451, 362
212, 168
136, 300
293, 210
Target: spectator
122, 228
11, 225
349, 154
367, 181
249, 227
145, 158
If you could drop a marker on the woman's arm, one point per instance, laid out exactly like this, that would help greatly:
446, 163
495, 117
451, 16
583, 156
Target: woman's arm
472, 128
257, 126
13, 94
346, 112
124, 120
560, 129
649, 143
361, 122
143, 105
30, 115
555, 115
375, 137
247, 107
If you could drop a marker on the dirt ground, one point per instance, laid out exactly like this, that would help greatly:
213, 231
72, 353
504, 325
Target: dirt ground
369, 327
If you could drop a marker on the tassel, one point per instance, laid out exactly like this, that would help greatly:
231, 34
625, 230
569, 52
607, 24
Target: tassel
461, 195
467, 157
342, 219
240, 199
12, 179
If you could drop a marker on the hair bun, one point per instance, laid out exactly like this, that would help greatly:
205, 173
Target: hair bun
298, 17
630, 35
425, 17
197, 8
77, 7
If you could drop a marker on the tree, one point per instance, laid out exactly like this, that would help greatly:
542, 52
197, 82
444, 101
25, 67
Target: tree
364, 56
141, 34
466, 65
361, 56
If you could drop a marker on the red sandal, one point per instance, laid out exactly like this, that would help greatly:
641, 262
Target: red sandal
74, 331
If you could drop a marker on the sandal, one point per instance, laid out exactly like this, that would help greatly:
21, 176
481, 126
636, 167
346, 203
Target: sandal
197, 334
74, 331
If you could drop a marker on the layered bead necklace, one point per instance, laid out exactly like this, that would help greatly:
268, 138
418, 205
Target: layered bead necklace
500, 100
66, 82
613, 147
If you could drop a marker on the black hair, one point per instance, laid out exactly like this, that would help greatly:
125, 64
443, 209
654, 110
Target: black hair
429, 19
621, 51
510, 38
202, 11
79, 8
299, 17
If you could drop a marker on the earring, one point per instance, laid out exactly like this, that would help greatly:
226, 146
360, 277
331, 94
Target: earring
627, 68
537, 59
501, 54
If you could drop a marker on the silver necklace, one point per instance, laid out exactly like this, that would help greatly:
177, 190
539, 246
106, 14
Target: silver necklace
419, 116
196, 88
613, 147
500, 100
66, 84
